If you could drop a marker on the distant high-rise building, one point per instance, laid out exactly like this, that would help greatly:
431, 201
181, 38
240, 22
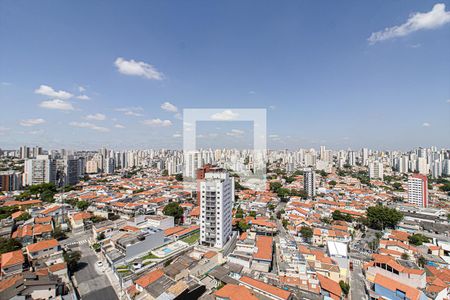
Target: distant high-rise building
216, 202
91, 166
351, 158
70, 171
421, 165
10, 181
41, 169
365, 156
376, 170
309, 182
24, 152
418, 190
108, 165
436, 169
446, 167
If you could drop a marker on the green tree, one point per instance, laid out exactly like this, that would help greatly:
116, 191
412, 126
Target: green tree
405, 256
7, 211
243, 226
8, 245
418, 239
179, 177
97, 219
397, 186
274, 186
23, 217
421, 261
379, 217
306, 232
165, 172
332, 183
252, 214
72, 258
101, 236
279, 214
285, 223
323, 173
58, 234
47, 196
345, 287
173, 209
82, 205
337, 215
239, 213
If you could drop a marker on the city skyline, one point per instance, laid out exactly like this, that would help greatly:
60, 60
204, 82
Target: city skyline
91, 82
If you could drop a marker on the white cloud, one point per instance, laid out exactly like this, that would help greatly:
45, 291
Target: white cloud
137, 68
56, 104
6, 83
235, 132
226, 115
167, 106
83, 97
435, 18
448, 100
252, 93
176, 135
157, 123
418, 45
120, 126
32, 122
89, 126
272, 107
36, 132
131, 111
178, 116
3, 130
273, 136
96, 117
426, 124
49, 91
81, 89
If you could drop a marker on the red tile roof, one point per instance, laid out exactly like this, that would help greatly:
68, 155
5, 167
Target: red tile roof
393, 285
235, 292
270, 289
149, 278
46, 244
264, 245
329, 285
12, 258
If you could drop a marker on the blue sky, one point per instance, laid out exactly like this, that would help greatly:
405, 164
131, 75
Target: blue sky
327, 72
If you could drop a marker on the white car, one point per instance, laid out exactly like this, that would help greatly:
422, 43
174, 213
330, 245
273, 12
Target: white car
99, 264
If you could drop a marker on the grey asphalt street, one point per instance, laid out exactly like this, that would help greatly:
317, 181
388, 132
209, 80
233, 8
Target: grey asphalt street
357, 290
92, 284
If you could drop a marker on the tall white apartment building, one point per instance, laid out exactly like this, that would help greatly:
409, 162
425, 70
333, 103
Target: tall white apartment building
421, 165
216, 202
41, 169
351, 158
436, 169
404, 165
376, 170
309, 182
418, 190
365, 156
91, 167
108, 165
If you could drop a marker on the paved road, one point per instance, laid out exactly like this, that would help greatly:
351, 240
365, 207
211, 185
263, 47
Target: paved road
357, 290
92, 283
